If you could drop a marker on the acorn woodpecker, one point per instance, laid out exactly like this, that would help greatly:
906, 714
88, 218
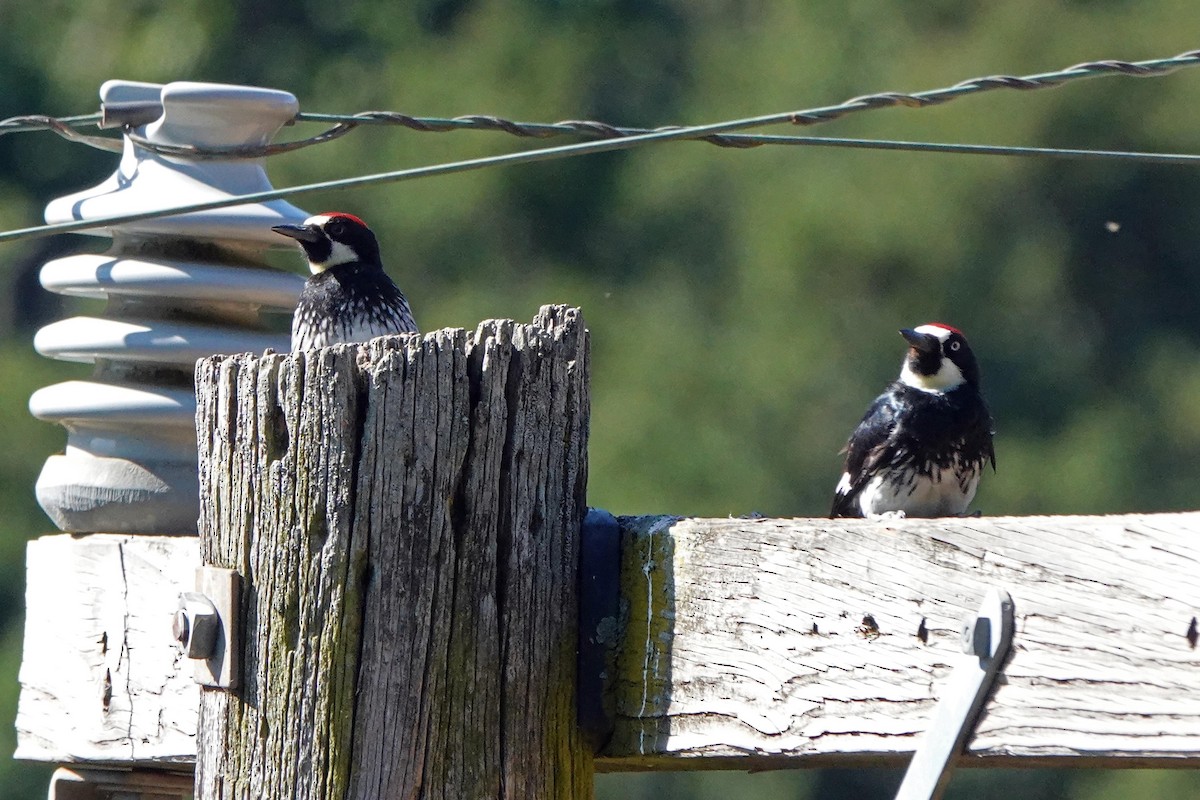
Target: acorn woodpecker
348, 298
922, 445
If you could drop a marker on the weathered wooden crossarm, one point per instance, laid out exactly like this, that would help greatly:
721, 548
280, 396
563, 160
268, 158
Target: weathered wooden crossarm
747, 643
776, 643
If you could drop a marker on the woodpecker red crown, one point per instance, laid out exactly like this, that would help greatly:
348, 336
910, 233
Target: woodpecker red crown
343, 215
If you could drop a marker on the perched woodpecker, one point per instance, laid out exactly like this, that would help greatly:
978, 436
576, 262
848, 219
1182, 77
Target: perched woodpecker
348, 298
922, 446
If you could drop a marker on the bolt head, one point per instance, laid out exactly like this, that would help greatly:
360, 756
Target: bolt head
977, 636
196, 625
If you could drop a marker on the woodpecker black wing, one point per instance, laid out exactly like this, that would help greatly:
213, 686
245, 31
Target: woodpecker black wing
914, 436
866, 447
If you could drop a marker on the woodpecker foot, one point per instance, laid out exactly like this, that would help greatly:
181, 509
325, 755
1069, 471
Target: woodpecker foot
886, 515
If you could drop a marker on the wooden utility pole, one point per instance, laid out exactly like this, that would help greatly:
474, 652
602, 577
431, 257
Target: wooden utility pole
405, 516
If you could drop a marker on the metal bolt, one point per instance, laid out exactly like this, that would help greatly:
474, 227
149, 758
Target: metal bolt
196, 625
977, 636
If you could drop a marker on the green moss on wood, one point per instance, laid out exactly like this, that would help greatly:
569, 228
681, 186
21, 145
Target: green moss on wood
643, 681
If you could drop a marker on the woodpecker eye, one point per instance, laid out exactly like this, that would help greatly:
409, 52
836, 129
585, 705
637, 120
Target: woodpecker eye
954, 346
335, 228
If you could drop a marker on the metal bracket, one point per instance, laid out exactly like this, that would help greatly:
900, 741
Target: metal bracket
207, 626
986, 639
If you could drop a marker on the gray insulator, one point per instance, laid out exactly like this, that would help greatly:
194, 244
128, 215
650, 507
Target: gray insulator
177, 289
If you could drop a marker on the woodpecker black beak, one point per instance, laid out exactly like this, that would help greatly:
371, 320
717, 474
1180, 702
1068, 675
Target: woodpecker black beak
921, 342
302, 233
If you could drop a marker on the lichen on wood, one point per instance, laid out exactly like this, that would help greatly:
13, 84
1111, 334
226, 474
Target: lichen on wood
405, 513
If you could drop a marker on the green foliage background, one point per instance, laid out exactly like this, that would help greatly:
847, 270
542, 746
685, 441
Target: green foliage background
743, 303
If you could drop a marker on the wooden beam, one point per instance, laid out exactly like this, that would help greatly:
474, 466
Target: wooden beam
101, 679
772, 643
112, 784
744, 642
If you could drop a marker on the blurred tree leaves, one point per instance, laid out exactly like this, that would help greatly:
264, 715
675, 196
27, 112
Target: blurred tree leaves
743, 304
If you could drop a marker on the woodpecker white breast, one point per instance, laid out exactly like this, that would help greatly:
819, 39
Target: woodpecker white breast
348, 298
921, 447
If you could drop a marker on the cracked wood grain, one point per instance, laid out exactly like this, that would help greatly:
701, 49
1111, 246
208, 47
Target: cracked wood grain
773, 642
405, 514
100, 681
746, 642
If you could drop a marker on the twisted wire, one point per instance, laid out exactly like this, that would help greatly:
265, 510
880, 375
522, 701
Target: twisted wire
592, 129
628, 138
63, 126
601, 130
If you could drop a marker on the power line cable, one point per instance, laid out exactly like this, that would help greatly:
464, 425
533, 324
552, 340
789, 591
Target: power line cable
63, 126
738, 141
980, 149
344, 123
628, 140
602, 130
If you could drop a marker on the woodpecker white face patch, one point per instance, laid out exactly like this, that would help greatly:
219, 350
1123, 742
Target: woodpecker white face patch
338, 253
948, 376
